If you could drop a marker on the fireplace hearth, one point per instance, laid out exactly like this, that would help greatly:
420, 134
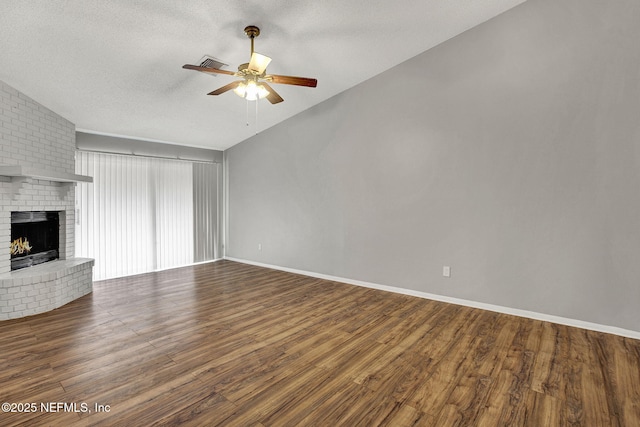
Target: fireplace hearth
35, 238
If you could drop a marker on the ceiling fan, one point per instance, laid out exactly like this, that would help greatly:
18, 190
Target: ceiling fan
254, 83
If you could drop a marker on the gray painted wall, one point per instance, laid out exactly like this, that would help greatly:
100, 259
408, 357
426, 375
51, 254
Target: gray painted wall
510, 153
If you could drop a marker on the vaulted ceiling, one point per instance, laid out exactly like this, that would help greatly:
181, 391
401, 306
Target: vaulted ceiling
115, 67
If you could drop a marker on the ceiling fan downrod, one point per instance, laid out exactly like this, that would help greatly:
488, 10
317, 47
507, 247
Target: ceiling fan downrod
252, 32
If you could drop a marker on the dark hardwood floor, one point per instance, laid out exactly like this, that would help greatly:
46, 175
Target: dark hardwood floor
236, 345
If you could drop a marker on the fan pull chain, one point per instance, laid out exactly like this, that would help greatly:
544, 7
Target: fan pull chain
247, 115
256, 116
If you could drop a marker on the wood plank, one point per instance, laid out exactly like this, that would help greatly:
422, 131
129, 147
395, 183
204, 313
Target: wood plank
543, 410
430, 392
466, 401
505, 404
548, 373
627, 374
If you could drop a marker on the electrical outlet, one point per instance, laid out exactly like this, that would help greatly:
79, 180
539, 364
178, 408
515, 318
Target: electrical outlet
446, 271
259, 246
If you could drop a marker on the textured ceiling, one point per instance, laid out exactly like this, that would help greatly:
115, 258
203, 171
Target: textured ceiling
114, 67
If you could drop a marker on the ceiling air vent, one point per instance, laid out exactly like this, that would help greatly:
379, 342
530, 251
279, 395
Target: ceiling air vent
211, 62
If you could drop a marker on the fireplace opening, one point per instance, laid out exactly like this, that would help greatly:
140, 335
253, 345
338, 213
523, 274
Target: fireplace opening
35, 238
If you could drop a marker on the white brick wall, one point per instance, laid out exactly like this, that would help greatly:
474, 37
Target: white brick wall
32, 133
35, 136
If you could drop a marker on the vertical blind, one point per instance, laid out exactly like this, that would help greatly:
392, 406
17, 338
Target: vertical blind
206, 218
144, 214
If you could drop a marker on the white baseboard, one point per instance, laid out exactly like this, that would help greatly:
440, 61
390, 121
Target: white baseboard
458, 301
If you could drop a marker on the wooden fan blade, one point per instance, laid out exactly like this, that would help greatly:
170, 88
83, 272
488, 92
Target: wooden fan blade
226, 88
258, 63
207, 69
291, 80
273, 96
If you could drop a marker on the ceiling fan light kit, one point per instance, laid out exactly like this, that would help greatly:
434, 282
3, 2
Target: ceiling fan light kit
255, 82
251, 91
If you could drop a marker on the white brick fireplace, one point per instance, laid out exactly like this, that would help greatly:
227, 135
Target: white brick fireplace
37, 163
